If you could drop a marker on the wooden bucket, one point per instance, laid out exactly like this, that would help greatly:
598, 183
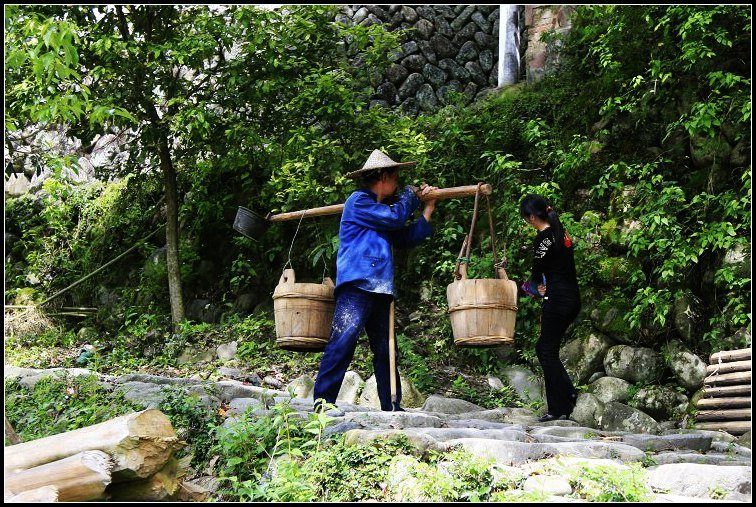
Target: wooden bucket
482, 311
303, 313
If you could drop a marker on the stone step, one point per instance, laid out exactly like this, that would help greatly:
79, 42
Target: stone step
699, 480
393, 420
655, 443
711, 458
516, 453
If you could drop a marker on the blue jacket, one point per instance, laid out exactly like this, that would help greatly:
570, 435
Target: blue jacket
367, 232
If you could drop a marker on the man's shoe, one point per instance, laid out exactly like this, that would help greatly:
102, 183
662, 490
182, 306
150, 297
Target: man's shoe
548, 417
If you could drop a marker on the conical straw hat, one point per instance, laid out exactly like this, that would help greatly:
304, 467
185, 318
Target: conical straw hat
377, 160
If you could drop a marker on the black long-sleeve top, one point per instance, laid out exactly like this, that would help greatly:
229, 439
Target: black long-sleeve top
558, 266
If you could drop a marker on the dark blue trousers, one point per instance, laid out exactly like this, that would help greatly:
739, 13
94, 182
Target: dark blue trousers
357, 310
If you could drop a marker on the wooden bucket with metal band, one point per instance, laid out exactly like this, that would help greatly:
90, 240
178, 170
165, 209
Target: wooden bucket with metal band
303, 313
482, 311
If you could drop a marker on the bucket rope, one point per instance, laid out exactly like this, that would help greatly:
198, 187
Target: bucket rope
288, 261
464, 253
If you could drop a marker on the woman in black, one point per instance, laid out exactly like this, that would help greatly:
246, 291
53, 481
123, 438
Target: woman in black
553, 278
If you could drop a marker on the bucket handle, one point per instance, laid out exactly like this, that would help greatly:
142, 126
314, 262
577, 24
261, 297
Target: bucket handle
287, 276
460, 270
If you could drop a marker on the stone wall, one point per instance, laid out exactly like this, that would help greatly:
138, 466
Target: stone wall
452, 48
539, 56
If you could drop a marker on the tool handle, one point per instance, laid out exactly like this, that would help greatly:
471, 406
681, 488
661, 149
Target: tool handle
335, 209
392, 356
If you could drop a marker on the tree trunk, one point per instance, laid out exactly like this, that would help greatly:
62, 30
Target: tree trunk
161, 486
172, 232
10, 432
140, 443
45, 494
81, 477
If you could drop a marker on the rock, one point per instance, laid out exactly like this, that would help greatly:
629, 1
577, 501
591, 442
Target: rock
232, 389
340, 427
483, 40
434, 75
588, 410
411, 397
87, 334
666, 458
465, 34
716, 436
609, 389
524, 382
427, 50
388, 92
495, 383
549, 484
655, 443
204, 311
272, 382
194, 356
470, 90
360, 15
739, 259
732, 449
396, 74
638, 365
745, 439
687, 313
695, 480
227, 351
424, 28
607, 317
619, 417
409, 14
17, 185
660, 402
436, 403
411, 85
584, 356
462, 18
238, 406
467, 52
350, 387
245, 303
409, 106
476, 73
302, 387
426, 98
410, 48
481, 21
443, 27
414, 63
596, 376
499, 415
442, 46
231, 373
687, 367
486, 60
420, 441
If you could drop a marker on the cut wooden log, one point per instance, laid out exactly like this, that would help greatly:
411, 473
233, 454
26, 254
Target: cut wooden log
737, 414
730, 355
45, 494
734, 427
724, 391
140, 444
740, 377
161, 486
81, 477
711, 403
729, 367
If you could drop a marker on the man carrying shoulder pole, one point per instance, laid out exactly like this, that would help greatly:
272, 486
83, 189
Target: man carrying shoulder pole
364, 291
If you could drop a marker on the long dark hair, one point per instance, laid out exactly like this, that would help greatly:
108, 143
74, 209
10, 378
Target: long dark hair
533, 204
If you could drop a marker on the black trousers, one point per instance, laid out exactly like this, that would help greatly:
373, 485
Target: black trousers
560, 392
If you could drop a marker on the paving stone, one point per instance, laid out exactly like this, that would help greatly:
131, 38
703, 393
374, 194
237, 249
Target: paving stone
698, 480
441, 404
666, 458
395, 420
656, 443
550, 484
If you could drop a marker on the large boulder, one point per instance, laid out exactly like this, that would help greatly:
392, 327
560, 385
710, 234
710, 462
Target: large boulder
687, 367
350, 387
660, 402
411, 397
638, 365
608, 318
588, 410
620, 417
609, 389
584, 356
302, 387
687, 315
524, 382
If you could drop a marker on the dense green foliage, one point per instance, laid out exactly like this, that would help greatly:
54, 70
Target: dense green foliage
641, 139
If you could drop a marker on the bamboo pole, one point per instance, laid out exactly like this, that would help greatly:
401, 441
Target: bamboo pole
727, 390
335, 209
45, 494
741, 377
140, 443
723, 403
80, 477
740, 414
729, 367
730, 355
734, 427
